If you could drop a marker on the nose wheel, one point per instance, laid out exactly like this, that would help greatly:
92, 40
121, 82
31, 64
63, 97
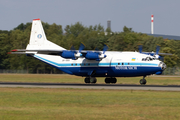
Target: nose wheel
143, 81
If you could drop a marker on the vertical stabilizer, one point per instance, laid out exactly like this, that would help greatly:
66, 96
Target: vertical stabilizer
38, 36
38, 40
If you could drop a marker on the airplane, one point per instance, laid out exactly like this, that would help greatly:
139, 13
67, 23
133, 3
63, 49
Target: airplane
87, 63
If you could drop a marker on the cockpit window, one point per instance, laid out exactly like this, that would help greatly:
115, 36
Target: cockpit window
148, 59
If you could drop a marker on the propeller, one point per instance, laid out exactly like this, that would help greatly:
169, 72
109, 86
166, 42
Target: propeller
140, 48
72, 48
81, 47
157, 49
105, 48
155, 54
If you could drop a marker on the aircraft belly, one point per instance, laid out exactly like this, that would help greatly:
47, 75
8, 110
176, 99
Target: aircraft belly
110, 71
87, 71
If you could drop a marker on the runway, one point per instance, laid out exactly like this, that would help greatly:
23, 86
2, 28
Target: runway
91, 86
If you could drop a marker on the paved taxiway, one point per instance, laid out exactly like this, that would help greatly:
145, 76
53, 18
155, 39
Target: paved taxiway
92, 86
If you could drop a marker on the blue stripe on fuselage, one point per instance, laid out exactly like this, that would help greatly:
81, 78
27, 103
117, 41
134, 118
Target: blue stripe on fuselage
93, 64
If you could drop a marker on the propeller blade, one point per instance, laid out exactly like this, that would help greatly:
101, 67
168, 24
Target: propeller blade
96, 49
161, 58
82, 46
105, 48
157, 49
140, 48
72, 48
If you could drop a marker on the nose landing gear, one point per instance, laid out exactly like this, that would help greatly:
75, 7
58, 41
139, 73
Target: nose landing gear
143, 81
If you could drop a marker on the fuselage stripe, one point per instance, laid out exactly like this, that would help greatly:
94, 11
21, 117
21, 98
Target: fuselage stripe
96, 64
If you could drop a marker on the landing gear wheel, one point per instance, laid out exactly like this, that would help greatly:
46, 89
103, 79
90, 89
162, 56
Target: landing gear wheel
90, 80
93, 80
87, 80
113, 80
142, 81
110, 80
107, 80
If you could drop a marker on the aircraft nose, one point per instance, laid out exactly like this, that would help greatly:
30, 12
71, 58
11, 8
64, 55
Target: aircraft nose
162, 65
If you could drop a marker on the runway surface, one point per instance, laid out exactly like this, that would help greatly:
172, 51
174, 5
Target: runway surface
92, 86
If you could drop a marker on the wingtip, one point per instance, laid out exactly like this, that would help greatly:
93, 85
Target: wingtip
14, 50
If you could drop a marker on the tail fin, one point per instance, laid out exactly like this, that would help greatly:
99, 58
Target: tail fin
38, 36
38, 40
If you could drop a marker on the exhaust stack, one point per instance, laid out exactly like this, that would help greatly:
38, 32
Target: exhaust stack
152, 24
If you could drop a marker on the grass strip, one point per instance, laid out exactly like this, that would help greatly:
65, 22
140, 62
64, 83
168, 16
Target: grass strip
80, 104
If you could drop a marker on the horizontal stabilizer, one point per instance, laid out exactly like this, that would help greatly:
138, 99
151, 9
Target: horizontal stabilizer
20, 53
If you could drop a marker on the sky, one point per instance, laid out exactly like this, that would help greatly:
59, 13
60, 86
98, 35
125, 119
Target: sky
135, 14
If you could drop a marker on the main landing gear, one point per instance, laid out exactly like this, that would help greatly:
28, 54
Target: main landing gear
90, 80
94, 80
143, 81
110, 80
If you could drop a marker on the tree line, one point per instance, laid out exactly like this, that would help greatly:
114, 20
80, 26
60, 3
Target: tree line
92, 36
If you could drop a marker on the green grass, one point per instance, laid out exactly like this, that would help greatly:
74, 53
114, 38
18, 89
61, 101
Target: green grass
82, 104
86, 104
55, 78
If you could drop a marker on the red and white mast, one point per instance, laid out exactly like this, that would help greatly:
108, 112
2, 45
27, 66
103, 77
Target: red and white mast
152, 24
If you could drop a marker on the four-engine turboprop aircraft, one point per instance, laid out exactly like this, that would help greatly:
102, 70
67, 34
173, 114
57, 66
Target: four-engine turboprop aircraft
90, 64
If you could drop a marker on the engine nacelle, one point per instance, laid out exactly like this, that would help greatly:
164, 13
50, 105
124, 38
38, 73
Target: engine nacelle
157, 56
68, 55
94, 56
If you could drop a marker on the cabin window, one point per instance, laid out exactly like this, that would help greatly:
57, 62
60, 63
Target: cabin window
80, 64
76, 64
88, 63
128, 63
71, 64
118, 63
122, 63
84, 64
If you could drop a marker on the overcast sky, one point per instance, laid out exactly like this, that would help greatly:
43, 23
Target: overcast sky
135, 14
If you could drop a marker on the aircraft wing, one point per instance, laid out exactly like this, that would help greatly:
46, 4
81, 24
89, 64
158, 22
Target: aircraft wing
152, 53
68, 54
41, 51
165, 54
33, 51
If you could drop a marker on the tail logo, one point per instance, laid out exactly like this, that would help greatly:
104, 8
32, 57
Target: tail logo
39, 36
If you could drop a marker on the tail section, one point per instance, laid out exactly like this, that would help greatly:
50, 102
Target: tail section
38, 36
38, 40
